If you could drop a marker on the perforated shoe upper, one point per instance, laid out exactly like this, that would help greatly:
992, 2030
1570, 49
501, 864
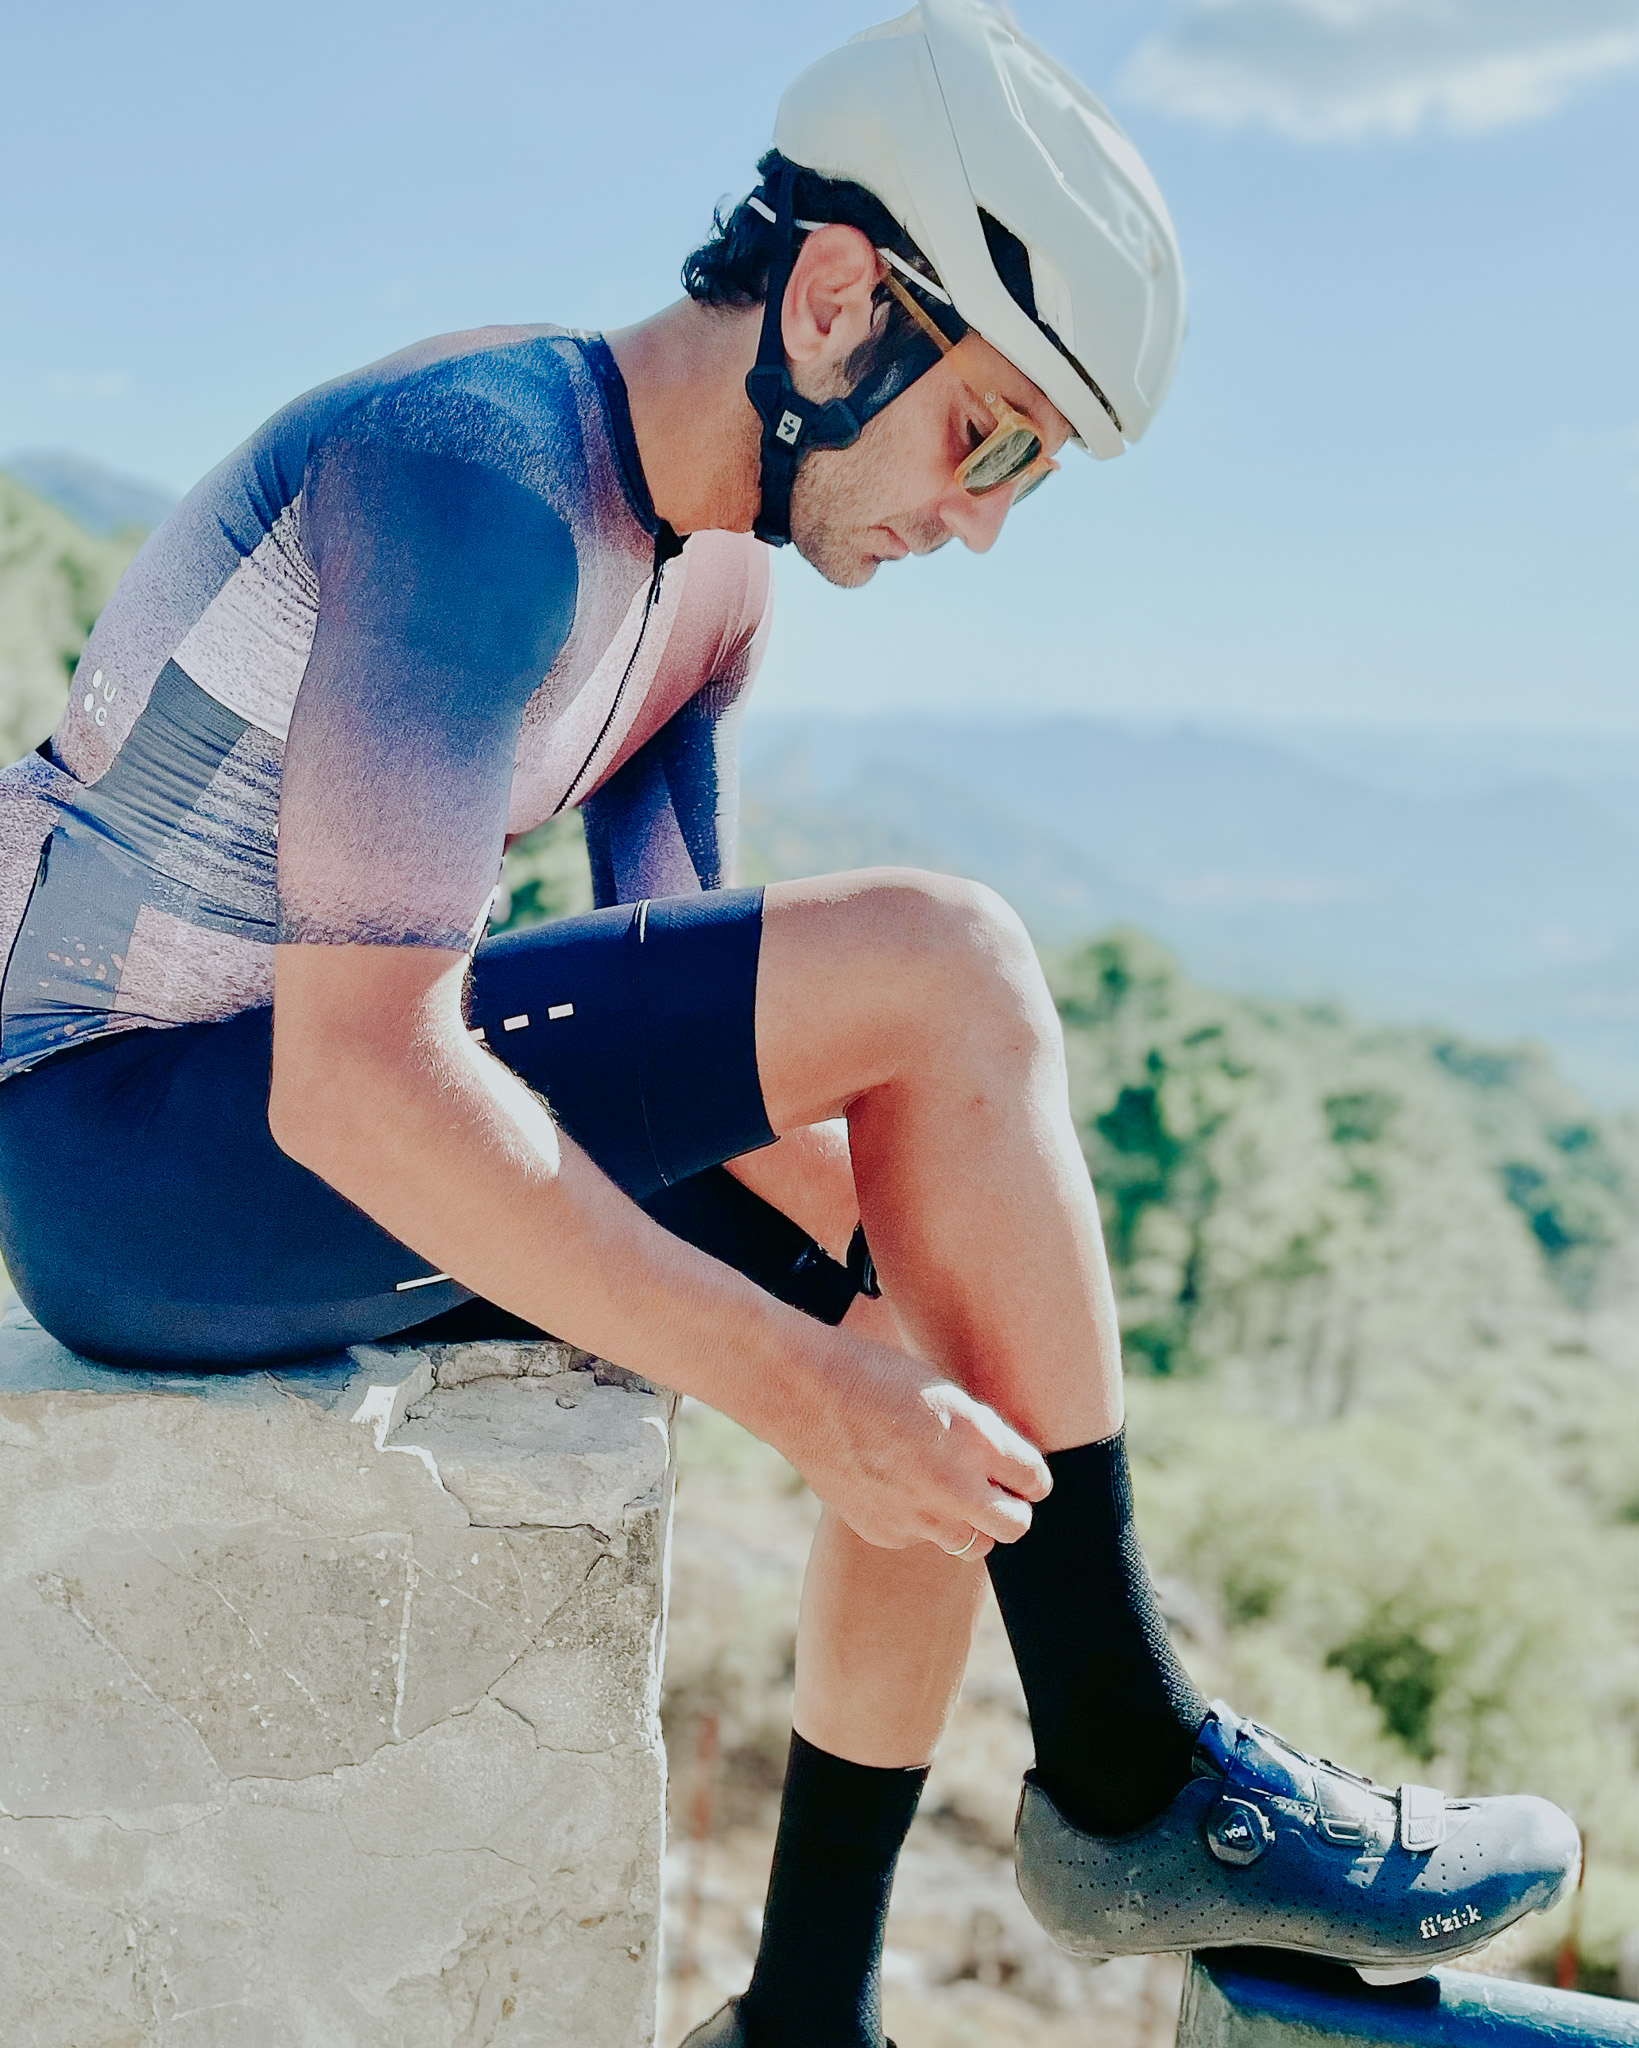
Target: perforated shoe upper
1269, 1846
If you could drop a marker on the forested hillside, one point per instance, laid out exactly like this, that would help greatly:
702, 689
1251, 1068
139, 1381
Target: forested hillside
54, 579
1485, 879
1378, 1297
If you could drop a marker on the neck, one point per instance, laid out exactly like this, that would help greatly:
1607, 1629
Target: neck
696, 433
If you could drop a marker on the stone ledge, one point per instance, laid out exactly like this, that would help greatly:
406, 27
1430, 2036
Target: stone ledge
329, 1700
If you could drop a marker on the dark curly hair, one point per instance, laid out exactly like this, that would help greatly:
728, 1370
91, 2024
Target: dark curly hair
730, 268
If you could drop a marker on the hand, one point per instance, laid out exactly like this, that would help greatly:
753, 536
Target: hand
905, 1456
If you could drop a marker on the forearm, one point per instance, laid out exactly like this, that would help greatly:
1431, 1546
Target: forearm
447, 1150
379, 1089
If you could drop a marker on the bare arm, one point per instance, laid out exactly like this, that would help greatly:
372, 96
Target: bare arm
378, 1089
446, 587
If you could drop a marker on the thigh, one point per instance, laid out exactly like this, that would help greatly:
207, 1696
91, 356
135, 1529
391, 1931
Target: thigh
638, 1027
148, 1217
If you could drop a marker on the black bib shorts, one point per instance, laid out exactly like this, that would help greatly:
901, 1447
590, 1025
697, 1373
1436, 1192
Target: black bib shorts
148, 1218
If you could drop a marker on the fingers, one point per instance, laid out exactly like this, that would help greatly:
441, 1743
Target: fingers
1007, 1518
967, 1487
1016, 1464
996, 1516
1008, 1458
997, 1473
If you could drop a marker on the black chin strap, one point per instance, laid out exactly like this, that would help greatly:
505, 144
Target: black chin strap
793, 424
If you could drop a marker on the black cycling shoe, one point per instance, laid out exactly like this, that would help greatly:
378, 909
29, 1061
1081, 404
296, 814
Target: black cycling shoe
1268, 1848
723, 2030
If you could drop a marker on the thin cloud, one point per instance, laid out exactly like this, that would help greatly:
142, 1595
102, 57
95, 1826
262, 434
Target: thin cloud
1339, 70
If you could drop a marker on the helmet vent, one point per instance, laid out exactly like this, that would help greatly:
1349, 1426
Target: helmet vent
1012, 261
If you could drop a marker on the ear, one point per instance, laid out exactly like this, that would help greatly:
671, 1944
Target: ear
829, 299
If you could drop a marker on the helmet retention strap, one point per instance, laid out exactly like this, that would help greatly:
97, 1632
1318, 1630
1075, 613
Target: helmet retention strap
792, 424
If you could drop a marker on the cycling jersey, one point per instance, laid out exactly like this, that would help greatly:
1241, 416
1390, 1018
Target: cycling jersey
422, 609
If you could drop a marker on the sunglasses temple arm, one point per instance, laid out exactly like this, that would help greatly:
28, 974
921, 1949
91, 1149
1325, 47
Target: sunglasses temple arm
941, 341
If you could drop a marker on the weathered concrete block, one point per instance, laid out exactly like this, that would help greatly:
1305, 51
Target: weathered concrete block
1257, 1999
329, 1701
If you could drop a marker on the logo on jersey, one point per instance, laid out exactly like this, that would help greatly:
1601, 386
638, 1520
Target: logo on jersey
107, 691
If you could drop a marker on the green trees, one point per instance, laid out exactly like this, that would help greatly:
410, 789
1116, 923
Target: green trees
54, 579
545, 874
1377, 1291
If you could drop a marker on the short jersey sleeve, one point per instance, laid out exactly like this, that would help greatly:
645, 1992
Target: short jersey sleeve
446, 590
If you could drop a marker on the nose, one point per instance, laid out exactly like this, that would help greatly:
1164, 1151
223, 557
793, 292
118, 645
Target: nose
975, 522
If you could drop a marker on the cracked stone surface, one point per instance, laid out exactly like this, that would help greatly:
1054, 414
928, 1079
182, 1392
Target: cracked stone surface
329, 1700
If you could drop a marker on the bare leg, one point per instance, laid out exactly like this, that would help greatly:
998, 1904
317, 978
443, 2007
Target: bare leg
882, 1639
883, 1635
914, 1006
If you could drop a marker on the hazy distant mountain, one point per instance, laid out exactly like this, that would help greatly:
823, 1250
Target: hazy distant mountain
1496, 887
101, 500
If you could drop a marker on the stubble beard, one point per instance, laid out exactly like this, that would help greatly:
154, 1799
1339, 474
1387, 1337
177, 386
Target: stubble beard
837, 498
829, 516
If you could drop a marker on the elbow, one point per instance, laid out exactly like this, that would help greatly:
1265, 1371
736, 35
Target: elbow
363, 1036
294, 1121
320, 1112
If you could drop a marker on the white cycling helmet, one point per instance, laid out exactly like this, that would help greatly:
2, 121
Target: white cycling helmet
948, 114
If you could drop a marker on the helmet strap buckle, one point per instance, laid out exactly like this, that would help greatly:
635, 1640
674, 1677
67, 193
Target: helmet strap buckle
792, 424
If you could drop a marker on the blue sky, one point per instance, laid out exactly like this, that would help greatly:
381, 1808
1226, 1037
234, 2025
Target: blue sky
1398, 478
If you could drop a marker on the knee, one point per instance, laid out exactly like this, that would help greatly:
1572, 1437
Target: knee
968, 966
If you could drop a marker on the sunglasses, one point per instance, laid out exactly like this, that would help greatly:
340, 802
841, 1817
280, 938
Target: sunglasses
1012, 454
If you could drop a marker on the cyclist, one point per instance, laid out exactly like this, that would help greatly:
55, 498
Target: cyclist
264, 1091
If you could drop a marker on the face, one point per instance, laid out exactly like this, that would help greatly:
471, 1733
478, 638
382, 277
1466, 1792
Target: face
894, 493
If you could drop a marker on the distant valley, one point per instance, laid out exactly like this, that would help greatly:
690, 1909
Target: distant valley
1492, 885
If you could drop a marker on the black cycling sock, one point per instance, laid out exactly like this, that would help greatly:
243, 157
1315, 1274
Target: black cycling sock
816, 1984
1113, 1713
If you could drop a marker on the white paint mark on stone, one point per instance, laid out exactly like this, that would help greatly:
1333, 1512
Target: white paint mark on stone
382, 1410
426, 1457
410, 1581
376, 1411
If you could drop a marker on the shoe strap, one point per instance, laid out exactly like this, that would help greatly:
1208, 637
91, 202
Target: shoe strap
1422, 1808
1422, 1818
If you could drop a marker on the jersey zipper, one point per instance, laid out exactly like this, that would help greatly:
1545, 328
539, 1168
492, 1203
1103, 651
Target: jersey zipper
667, 546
